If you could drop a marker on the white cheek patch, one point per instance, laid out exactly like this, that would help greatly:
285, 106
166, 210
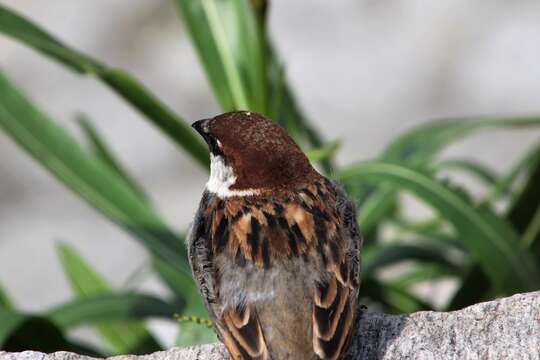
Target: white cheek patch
222, 178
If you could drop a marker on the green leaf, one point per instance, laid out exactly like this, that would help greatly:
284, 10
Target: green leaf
531, 237
102, 151
64, 158
20, 332
183, 286
505, 183
111, 307
490, 241
376, 207
426, 140
474, 168
421, 144
276, 97
524, 213
232, 74
422, 272
325, 152
298, 125
231, 48
160, 115
34, 333
473, 289
396, 298
190, 334
5, 301
242, 66
9, 321
83, 279
251, 53
378, 256
431, 229
123, 337
196, 24
125, 85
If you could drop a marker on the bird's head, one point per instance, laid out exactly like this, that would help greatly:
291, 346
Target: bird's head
251, 154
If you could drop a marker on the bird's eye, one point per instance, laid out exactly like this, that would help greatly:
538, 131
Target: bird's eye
215, 146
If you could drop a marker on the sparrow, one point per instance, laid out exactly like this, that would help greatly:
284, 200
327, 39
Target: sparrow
274, 246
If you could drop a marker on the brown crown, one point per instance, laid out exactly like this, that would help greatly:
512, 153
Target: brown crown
261, 153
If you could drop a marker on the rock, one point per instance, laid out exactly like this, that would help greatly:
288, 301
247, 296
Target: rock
506, 328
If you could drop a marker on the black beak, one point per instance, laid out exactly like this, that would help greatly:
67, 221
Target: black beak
201, 126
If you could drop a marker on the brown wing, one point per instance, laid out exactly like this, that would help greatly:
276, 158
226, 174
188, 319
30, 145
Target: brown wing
233, 229
333, 315
242, 334
334, 300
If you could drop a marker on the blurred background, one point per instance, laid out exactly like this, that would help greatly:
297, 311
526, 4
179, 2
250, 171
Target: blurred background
363, 71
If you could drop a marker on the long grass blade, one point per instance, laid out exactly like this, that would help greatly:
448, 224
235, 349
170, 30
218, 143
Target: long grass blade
5, 301
423, 272
251, 53
242, 66
123, 337
111, 307
474, 288
183, 287
523, 209
325, 152
489, 239
524, 212
506, 183
9, 321
236, 85
397, 299
420, 145
522, 215
425, 141
377, 257
196, 23
64, 158
467, 166
124, 84
103, 152
20, 332
376, 207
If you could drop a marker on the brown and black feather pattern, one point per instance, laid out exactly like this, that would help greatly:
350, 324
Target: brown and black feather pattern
250, 256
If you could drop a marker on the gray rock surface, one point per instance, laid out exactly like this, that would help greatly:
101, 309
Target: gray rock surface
506, 328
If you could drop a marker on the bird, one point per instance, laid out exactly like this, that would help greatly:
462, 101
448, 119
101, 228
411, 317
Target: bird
274, 246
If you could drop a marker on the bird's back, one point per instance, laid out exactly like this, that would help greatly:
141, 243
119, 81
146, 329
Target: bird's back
279, 273
282, 299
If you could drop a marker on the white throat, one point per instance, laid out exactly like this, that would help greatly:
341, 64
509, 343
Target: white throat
222, 178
